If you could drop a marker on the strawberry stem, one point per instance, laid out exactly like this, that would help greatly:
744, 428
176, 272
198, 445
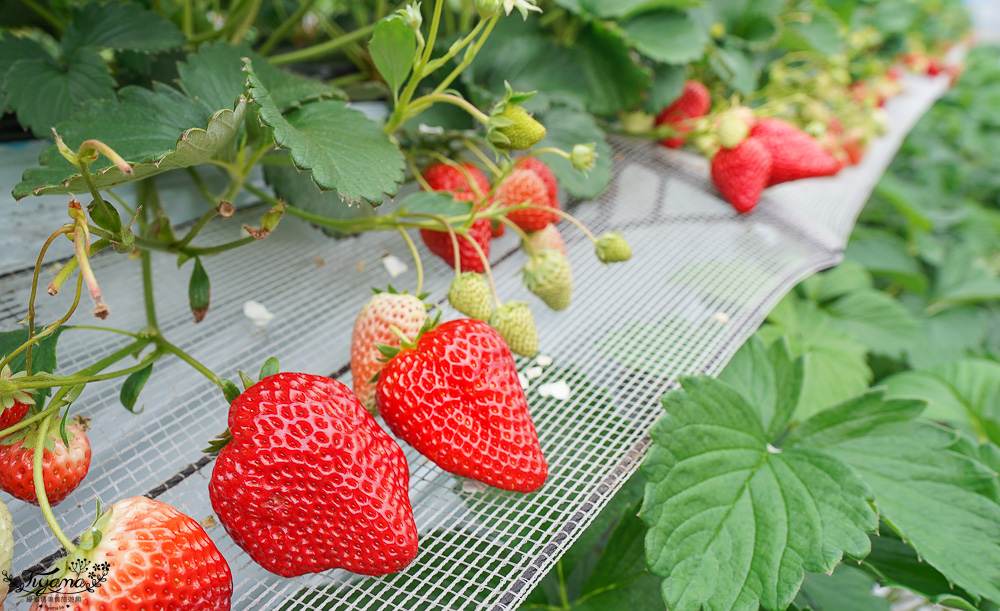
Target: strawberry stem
475, 150
524, 236
416, 260
34, 290
39, 481
487, 268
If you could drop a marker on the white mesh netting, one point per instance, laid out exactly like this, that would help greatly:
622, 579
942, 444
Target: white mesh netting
700, 282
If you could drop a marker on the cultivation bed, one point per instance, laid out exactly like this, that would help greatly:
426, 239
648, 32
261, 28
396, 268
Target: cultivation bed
700, 283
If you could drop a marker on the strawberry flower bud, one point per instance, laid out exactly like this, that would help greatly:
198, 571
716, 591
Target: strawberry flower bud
611, 247
411, 16
488, 8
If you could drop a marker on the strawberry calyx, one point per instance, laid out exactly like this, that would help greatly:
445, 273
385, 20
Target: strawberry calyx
28, 436
78, 563
9, 397
218, 442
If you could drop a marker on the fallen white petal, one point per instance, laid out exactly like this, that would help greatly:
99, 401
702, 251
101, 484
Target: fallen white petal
544, 360
557, 390
257, 312
721, 317
472, 486
436, 130
523, 380
394, 265
533, 372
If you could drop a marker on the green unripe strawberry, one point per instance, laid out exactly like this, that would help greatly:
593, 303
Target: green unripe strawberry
732, 130
523, 131
515, 324
469, 293
611, 247
548, 275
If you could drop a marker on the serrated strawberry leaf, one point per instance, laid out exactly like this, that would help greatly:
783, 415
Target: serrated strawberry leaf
154, 130
965, 394
215, 76
735, 522
44, 91
666, 36
344, 150
119, 25
836, 367
769, 378
940, 501
12, 50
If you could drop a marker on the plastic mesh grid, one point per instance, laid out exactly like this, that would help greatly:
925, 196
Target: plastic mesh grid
700, 282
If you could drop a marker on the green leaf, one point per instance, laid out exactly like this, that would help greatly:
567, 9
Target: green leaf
769, 378
733, 521
821, 33
199, 291
735, 69
668, 83
45, 92
614, 80
624, 8
963, 278
897, 564
848, 589
434, 202
343, 149
947, 336
153, 130
393, 48
836, 367
964, 394
119, 25
12, 50
887, 256
297, 188
43, 355
876, 320
932, 496
215, 76
133, 386
666, 36
846, 278
566, 128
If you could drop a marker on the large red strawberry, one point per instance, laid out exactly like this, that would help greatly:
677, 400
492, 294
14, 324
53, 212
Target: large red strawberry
694, 101
740, 174
446, 177
794, 153
148, 556
455, 397
63, 468
372, 327
309, 481
14, 405
440, 243
524, 186
539, 167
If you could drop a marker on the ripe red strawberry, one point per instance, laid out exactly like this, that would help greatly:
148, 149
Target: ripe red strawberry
694, 102
740, 174
524, 186
14, 405
497, 228
439, 243
407, 312
445, 177
310, 482
538, 167
456, 398
794, 153
153, 557
62, 468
